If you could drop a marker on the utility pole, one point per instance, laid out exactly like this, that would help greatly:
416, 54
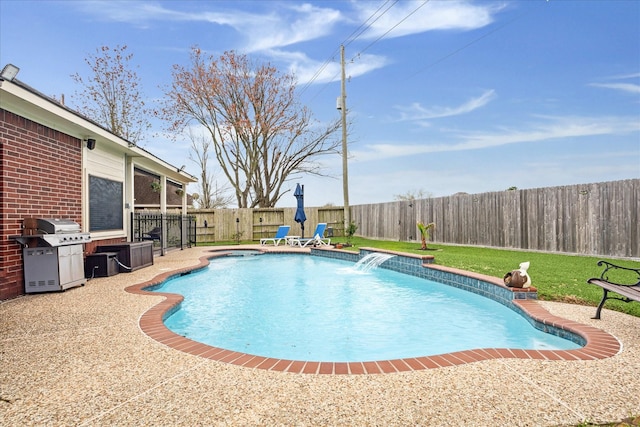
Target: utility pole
345, 174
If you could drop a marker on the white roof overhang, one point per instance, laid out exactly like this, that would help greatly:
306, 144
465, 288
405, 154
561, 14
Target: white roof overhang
24, 101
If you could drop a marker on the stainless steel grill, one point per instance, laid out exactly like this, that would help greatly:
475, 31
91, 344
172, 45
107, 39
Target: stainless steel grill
53, 254
60, 232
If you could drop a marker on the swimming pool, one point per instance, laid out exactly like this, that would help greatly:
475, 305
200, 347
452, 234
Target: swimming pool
304, 307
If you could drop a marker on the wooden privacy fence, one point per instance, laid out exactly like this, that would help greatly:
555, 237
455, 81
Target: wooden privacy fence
589, 219
213, 225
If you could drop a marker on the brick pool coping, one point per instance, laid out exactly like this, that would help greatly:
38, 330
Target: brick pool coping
599, 344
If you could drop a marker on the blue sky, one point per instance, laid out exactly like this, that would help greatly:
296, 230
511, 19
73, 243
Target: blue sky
443, 96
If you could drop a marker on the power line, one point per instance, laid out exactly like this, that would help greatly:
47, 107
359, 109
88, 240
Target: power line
365, 28
455, 52
442, 59
356, 34
392, 28
351, 38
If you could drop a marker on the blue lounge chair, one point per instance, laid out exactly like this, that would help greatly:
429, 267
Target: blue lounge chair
281, 235
318, 238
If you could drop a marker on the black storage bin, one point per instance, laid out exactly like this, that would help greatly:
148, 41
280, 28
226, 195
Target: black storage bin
101, 265
134, 254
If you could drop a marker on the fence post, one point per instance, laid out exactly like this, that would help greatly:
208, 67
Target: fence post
182, 231
192, 229
163, 231
133, 227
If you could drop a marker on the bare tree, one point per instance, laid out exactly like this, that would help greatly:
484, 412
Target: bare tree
261, 136
213, 196
413, 195
110, 94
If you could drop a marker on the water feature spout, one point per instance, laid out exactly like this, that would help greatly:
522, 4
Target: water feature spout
371, 261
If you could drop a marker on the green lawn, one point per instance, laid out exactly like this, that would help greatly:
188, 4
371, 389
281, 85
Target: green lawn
557, 277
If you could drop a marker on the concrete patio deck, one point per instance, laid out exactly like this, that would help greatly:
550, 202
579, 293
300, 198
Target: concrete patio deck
80, 358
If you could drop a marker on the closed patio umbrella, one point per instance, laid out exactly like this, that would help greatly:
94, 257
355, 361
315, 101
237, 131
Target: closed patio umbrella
300, 216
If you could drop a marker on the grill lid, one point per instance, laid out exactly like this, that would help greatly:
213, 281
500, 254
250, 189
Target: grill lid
57, 226
43, 232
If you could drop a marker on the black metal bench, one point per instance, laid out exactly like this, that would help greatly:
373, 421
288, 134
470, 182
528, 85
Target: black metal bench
629, 292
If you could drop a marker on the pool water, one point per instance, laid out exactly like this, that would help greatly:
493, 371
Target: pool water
302, 307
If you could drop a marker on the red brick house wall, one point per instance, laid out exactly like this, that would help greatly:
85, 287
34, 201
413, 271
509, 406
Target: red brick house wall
41, 176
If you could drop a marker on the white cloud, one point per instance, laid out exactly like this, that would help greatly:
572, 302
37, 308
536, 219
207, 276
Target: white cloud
307, 69
306, 22
548, 128
625, 87
626, 76
281, 26
416, 112
632, 88
137, 13
268, 30
411, 17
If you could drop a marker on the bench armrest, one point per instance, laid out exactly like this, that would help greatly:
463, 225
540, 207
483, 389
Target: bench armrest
609, 266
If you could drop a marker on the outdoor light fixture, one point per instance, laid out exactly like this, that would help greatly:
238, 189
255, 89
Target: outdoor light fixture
91, 143
9, 72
